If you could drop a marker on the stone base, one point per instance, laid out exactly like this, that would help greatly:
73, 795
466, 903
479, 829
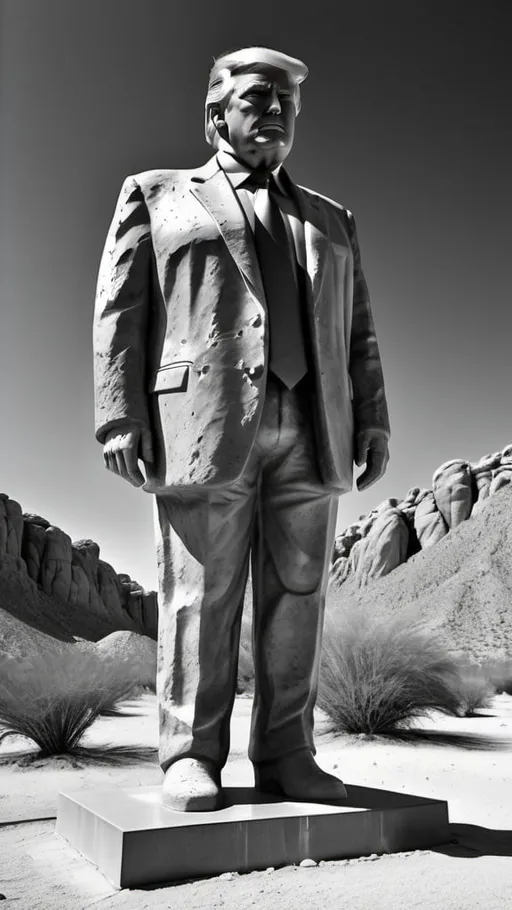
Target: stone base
134, 840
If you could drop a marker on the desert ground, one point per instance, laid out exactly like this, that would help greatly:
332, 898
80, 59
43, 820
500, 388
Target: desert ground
466, 761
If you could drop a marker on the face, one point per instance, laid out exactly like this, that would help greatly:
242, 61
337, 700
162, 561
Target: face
259, 118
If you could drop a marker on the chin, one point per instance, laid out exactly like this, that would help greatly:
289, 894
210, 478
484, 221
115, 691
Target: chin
275, 145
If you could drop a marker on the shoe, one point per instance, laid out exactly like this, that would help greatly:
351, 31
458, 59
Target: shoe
192, 785
297, 776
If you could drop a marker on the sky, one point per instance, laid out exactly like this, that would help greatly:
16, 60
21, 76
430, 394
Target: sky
405, 120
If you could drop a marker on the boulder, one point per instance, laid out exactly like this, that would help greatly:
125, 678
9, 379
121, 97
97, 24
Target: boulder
55, 570
32, 546
339, 570
89, 552
501, 477
452, 486
109, 587
410, 502
80, 587
429, 524
384, 548
346, 540
482, 476
11, 527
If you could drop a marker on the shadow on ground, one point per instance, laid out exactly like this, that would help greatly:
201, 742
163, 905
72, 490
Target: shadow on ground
468, 741
114, 756
473, 841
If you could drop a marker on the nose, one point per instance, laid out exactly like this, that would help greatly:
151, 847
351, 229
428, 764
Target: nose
274, 105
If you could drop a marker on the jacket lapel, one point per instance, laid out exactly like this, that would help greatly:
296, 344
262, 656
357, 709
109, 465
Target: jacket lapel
213, 190
313, 246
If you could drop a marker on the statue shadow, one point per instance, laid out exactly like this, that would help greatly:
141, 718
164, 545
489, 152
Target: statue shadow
472, 841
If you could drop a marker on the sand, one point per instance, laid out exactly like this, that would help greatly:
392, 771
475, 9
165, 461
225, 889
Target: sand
463, 760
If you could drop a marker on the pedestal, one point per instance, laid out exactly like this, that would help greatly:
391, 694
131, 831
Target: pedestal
134, 840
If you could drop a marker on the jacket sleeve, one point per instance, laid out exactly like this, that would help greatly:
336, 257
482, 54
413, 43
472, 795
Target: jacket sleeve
369, 398
121, 316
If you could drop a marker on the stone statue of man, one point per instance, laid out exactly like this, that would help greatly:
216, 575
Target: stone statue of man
235, 355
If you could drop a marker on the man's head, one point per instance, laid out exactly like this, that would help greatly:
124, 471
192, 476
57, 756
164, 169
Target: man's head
252, 102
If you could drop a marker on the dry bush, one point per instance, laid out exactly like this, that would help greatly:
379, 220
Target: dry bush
474, 689
54, 701
380, 675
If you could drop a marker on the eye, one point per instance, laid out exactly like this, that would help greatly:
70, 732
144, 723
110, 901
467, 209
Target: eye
255, 93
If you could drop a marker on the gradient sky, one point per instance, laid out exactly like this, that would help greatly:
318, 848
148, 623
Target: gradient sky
405, 119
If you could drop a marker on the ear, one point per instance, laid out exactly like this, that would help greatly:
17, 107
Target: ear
218, 122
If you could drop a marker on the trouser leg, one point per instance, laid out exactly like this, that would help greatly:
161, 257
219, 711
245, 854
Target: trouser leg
291, 551
203, 543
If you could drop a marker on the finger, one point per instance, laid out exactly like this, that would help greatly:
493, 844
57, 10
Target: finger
361, 449
377, 461
147, 453
121, 464
110, 461
122, 468
133, 472
365, 480
361, 455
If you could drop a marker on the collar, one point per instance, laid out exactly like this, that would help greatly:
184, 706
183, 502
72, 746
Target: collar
235, 170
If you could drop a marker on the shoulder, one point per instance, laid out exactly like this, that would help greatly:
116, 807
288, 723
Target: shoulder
328, 204
149, 181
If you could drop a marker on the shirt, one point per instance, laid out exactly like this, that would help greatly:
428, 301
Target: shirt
236, 173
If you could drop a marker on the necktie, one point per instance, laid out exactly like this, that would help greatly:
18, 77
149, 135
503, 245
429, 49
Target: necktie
287, 349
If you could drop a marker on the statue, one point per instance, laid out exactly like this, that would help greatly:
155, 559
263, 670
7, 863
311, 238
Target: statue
236, 357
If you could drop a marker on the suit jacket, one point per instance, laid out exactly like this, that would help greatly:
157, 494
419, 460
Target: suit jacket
181, 328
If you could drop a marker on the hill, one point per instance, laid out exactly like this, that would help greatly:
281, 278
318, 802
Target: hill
463, 583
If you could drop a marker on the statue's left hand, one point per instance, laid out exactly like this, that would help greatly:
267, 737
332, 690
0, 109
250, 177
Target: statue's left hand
372, 449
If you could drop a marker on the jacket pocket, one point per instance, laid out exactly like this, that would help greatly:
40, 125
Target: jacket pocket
171, 378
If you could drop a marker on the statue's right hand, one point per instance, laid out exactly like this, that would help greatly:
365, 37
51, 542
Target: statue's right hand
123, 446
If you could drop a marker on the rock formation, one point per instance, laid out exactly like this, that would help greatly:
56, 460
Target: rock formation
429, 524
62, 588
452, 485
462, 585
384, 547
396, 530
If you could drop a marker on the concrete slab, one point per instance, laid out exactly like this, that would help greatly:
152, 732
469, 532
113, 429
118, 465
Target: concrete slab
134, 840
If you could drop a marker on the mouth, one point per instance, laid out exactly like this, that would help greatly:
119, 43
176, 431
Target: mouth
272, 126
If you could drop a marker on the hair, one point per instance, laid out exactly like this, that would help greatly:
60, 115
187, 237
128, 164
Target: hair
245, 60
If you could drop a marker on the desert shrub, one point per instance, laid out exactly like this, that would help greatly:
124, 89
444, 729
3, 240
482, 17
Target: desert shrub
474, 689
380, 675
53, 701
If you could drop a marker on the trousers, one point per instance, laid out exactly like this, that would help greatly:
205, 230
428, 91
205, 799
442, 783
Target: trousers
279, 518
